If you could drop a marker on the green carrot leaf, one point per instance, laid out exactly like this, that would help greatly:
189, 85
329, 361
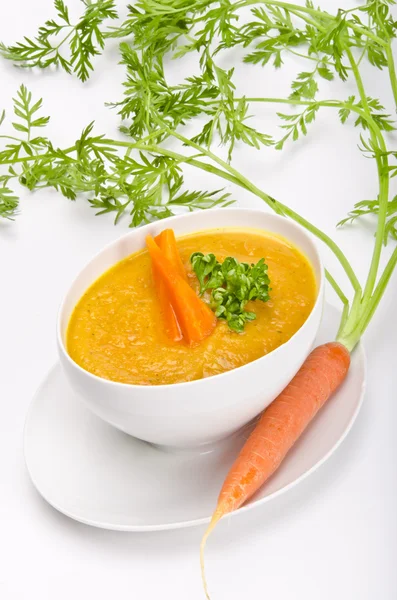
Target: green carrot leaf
8, 203
59, 43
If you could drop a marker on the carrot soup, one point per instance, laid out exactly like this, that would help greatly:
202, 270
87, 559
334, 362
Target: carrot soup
117, 331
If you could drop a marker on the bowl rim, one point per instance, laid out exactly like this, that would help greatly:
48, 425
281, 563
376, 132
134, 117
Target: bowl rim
204, 380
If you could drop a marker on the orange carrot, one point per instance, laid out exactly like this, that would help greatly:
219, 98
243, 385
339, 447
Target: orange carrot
279, 428
195, 318
171, 324
167, 243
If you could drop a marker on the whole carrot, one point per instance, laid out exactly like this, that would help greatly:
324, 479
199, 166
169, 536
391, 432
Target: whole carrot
279, 428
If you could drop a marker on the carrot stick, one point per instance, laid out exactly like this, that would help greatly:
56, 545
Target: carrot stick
167, 243
279, 428
171, 324
195, 318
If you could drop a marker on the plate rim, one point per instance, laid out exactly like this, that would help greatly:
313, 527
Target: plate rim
203, 520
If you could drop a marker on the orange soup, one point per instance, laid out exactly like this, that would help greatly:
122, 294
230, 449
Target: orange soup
117, 331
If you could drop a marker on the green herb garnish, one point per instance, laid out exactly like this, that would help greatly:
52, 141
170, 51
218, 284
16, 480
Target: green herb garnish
232, 285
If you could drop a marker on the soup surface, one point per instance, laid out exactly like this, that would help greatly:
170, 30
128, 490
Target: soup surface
116, 330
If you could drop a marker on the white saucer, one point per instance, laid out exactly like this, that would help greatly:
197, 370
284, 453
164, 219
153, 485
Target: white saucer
98, 475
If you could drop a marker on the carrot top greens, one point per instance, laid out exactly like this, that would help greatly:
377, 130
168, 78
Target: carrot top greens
232, 284
140, 175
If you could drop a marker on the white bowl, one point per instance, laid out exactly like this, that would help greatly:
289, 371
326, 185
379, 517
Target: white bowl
204, 411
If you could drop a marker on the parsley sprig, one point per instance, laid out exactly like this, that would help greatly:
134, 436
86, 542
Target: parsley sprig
232, 284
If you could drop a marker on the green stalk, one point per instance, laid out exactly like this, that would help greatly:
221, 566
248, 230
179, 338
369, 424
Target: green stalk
361, 313
392, 71
342, 298
350, 340
378, 293
383, 177
328, 241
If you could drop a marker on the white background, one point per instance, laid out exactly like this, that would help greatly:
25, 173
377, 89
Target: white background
335, 536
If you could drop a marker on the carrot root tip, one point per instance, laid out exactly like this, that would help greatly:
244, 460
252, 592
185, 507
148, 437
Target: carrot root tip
215, 518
